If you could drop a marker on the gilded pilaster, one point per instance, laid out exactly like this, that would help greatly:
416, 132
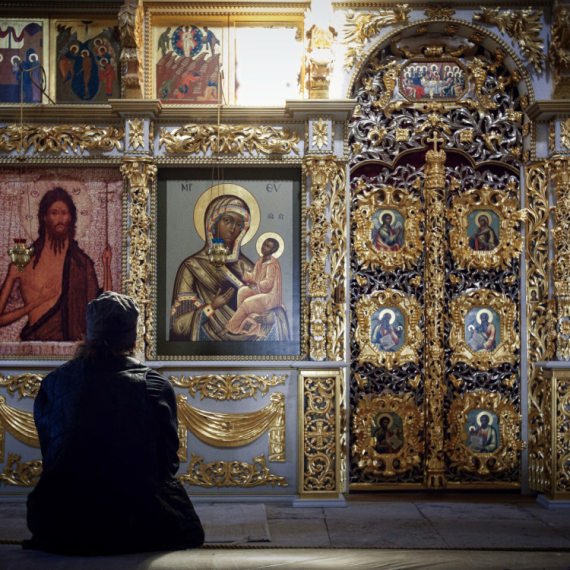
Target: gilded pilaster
434, 278
140, 174
130, 29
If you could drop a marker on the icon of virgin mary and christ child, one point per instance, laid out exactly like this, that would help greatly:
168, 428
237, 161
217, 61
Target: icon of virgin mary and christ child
240, 301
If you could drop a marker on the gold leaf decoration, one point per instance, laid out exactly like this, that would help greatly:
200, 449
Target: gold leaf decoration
228, 386
361, 26
320, 133
21, 474
523, 26
61, 138
229, 139
565, 134
136, 133
230, 474
551, 135
439, 11
370, 351
560, 40
509, 343
19, 424
26, 385
506, 454
510, 241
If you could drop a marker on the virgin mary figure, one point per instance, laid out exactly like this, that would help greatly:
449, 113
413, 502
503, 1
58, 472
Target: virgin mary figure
204, 298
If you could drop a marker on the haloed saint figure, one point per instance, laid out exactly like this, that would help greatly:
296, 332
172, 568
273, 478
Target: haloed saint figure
240, 301
484, 237
482, 329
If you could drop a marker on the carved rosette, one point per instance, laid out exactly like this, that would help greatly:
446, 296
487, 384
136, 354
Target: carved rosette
387, 198
404, 458
62, 138
505, 456
510, 241
140, 173
326, 245
230, 474
370, 350
320, 450
229, 139
505, 351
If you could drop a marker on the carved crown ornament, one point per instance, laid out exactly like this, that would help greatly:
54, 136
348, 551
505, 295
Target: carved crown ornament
388, 331
479, 445
483, 330
388, 230
387, 431
484, 230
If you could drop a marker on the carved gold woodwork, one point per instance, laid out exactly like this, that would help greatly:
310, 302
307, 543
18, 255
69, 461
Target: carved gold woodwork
361, 26
367, 307
509, 343
319, 450
551, 135
439, 11
523, 26
223, 387
140, 172
318, 329
369, 410
26, 385
61, 138
559, 51
230, 474
505, 456
136, 133
510, 240
19, 424
319, 60
233, 430
320, 133
21, 474
229, 139
565, 133
387, 198
131, 33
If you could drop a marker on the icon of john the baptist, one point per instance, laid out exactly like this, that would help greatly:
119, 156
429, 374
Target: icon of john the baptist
204, 297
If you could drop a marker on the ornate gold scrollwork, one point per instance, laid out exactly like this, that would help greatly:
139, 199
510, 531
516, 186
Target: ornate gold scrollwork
131, 32
387, 198
565, 133
228, 386
510, 242
230, 474
25, 474
61, 138
551, 136
509, 340
361, 26
229, 139
439, 11
140, 172
136, 133
370, 347
523, 26
19, 423
502, 453
396, 451
320, 424
233, 430
318, 349
560, 41
26, 385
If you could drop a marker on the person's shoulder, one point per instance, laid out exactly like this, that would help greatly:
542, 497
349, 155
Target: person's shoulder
66, 370
157, 384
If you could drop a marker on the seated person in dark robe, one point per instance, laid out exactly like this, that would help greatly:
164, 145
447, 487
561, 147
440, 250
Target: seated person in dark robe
107, 426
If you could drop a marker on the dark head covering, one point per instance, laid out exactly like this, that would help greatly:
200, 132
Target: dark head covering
113, 317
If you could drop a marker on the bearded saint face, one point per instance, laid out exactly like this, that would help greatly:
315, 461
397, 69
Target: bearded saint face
57, 220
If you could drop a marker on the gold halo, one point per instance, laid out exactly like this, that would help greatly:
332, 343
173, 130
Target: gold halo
382, 212
276, 237
380, 416
484, 412
229, 190
387, 311
486, 214
478, 317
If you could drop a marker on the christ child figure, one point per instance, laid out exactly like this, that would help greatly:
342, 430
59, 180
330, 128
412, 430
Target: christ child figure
262, 292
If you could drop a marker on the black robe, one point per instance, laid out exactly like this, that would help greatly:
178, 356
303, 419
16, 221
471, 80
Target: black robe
109, 444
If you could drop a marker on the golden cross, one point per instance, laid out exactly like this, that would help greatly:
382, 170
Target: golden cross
435, 140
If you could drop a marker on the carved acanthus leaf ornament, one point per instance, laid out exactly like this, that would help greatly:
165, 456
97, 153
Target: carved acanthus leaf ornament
560, 39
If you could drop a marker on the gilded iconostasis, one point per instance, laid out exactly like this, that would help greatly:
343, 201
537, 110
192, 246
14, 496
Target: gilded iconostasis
345, 226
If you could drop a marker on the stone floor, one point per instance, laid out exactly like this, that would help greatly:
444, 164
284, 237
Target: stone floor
507, 530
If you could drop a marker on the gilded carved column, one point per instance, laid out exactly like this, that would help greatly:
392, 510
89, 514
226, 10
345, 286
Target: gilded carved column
140, 174
434, 278
130, 29
561, 267
327, 186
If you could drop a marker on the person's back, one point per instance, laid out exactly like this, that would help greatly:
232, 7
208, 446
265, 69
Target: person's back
108, 433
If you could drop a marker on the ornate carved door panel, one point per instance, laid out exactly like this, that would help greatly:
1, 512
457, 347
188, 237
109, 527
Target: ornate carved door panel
437, 138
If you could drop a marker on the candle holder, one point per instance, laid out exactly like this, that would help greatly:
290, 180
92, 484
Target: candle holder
20, 254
